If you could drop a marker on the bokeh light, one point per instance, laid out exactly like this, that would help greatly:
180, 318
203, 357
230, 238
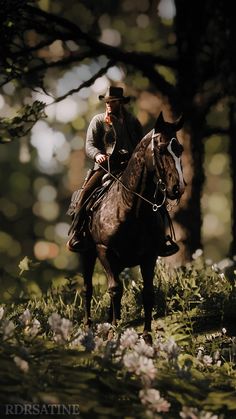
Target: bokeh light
216, 228
47, 210
46, 140
45, 250
111, 37
2, 101
166, 9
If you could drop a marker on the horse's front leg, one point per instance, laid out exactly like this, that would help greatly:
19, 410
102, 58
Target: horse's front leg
147, 269
88, 260
115, 286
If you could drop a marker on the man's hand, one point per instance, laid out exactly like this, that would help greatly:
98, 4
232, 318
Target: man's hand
100, 158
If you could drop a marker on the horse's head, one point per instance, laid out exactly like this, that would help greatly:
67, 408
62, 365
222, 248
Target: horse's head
163, 156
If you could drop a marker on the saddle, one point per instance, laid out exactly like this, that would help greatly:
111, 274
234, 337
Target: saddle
94, 199
79, 229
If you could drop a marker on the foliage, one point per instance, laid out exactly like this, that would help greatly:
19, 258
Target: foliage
20, 126
49, 356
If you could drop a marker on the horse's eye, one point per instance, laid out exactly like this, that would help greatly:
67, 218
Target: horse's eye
176, 148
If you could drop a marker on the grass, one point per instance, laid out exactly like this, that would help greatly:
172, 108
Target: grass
186, 369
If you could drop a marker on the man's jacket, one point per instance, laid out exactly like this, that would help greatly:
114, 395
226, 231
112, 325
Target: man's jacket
111, 138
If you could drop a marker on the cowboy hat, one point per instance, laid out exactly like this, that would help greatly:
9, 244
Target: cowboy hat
114, 93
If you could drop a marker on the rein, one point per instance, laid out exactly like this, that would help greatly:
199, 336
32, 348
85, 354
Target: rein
159, 184
155, 206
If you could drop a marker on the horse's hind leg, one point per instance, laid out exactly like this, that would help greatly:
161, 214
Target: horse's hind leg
147, 270
88, 260
115, 286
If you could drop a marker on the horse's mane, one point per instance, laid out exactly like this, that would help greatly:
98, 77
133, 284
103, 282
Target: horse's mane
136, 162
143, 143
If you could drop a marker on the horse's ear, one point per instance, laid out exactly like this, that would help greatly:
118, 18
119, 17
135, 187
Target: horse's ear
179, 123
159, 122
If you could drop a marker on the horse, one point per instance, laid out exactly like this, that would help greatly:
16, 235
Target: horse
127, 227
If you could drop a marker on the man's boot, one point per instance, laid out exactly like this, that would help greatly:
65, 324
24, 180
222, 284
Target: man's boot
78, 240
78, 231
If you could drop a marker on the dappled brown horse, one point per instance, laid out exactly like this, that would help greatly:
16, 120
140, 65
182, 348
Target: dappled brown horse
127, 226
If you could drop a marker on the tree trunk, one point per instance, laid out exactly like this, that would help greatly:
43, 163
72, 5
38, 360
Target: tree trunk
189, 216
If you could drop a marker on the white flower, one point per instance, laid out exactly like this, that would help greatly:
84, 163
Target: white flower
103, 329
146, 367
216, 355
207, 415
189, 413
171, 348
77, 339
193, 413
131, 361
21, 364
140, 366
1, 312
153, 400
128, 339
207, 360
143, 349
26, 317
224, 331
66, 327
198, 253
54, 320
158, 344
215, 267
99, 344
34, 328
233, 346
61, 327
8, 329
125, 274
225, 263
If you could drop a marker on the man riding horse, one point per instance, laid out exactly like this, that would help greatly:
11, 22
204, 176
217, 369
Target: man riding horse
111, 138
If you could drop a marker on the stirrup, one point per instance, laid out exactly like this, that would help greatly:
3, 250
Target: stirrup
169, 249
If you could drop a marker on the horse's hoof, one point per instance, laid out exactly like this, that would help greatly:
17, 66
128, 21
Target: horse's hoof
147, 337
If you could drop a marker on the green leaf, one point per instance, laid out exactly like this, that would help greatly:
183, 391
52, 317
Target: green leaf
220, 399
27, 264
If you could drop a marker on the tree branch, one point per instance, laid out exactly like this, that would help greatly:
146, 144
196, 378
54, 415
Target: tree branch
87, 83
134, 58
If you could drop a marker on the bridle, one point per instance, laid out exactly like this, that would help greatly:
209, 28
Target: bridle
157, 163
175, 149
